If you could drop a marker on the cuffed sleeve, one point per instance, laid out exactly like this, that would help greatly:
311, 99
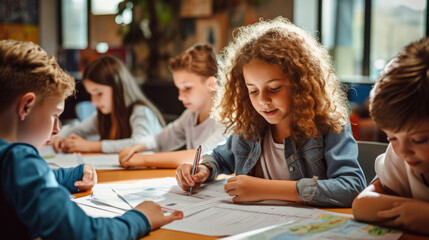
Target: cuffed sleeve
68, 176
344, 177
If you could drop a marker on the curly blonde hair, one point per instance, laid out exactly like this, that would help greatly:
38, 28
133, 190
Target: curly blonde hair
318, 100
26, 67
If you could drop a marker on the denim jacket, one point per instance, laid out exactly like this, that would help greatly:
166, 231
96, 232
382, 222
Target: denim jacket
326, 168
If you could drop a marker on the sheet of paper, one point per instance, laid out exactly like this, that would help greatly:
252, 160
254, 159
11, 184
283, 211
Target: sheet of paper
210, 208
323, 226
229, 219
166, 193
104, 161
47, 151
103, 194
95, 209
63, 160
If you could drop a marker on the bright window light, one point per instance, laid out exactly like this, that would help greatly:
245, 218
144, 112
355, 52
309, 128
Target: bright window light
104, 7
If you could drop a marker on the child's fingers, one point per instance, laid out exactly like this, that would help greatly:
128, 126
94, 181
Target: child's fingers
123, 159
126, 155
176, 215
73, 136
231, 189
199, 177
231, 179
79, 183
123, 162
238, 199
181, 180
87, 176
56, 147
390, 213
185, 171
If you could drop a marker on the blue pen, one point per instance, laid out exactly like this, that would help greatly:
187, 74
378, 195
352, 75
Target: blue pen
195, 165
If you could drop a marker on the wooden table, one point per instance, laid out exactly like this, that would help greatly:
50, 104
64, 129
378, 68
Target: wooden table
131, 176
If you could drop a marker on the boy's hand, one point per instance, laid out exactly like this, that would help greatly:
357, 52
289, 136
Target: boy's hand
183, 176
89, 178
155, 215
244, 188
58, 143
411, 215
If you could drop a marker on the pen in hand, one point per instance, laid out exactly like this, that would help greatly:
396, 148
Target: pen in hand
195, 165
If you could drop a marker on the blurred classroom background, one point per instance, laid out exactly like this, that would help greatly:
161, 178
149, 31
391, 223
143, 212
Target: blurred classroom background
361, 36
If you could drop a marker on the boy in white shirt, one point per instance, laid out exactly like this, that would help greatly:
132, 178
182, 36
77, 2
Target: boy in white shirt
399, 104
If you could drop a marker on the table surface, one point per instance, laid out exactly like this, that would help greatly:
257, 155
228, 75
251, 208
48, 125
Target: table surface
131, 176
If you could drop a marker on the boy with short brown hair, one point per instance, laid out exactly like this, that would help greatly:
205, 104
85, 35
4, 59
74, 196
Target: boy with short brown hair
399, 104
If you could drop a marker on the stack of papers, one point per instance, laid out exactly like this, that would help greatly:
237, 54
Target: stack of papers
210, 211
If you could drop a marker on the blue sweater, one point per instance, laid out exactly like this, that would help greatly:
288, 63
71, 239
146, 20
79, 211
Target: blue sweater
34, 202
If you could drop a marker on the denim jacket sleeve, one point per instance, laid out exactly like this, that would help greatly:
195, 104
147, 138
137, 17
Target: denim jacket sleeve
225, 157
344, 177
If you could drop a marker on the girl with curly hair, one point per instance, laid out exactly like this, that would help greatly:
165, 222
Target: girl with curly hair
292, 139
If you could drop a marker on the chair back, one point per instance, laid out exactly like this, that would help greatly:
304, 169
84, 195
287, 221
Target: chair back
368, 152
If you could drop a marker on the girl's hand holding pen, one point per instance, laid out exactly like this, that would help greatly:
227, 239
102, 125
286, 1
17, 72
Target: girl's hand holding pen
183, 176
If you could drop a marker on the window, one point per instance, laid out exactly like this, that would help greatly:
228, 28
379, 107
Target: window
394, 24
104, 7
342, 34
363, 35
74, 24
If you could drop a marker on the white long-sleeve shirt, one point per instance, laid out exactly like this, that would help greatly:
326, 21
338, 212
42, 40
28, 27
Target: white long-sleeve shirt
185, 131
143, 122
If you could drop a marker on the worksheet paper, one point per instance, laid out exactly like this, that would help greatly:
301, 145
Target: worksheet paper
209, 210
66, 160
63, 160
95, 209
104, 161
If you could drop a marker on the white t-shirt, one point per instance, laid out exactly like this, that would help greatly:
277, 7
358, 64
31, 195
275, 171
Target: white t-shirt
272, 163
398, 176
186, 131
143, 122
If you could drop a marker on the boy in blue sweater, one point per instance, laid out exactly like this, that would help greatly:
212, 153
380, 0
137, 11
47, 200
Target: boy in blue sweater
34, 200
